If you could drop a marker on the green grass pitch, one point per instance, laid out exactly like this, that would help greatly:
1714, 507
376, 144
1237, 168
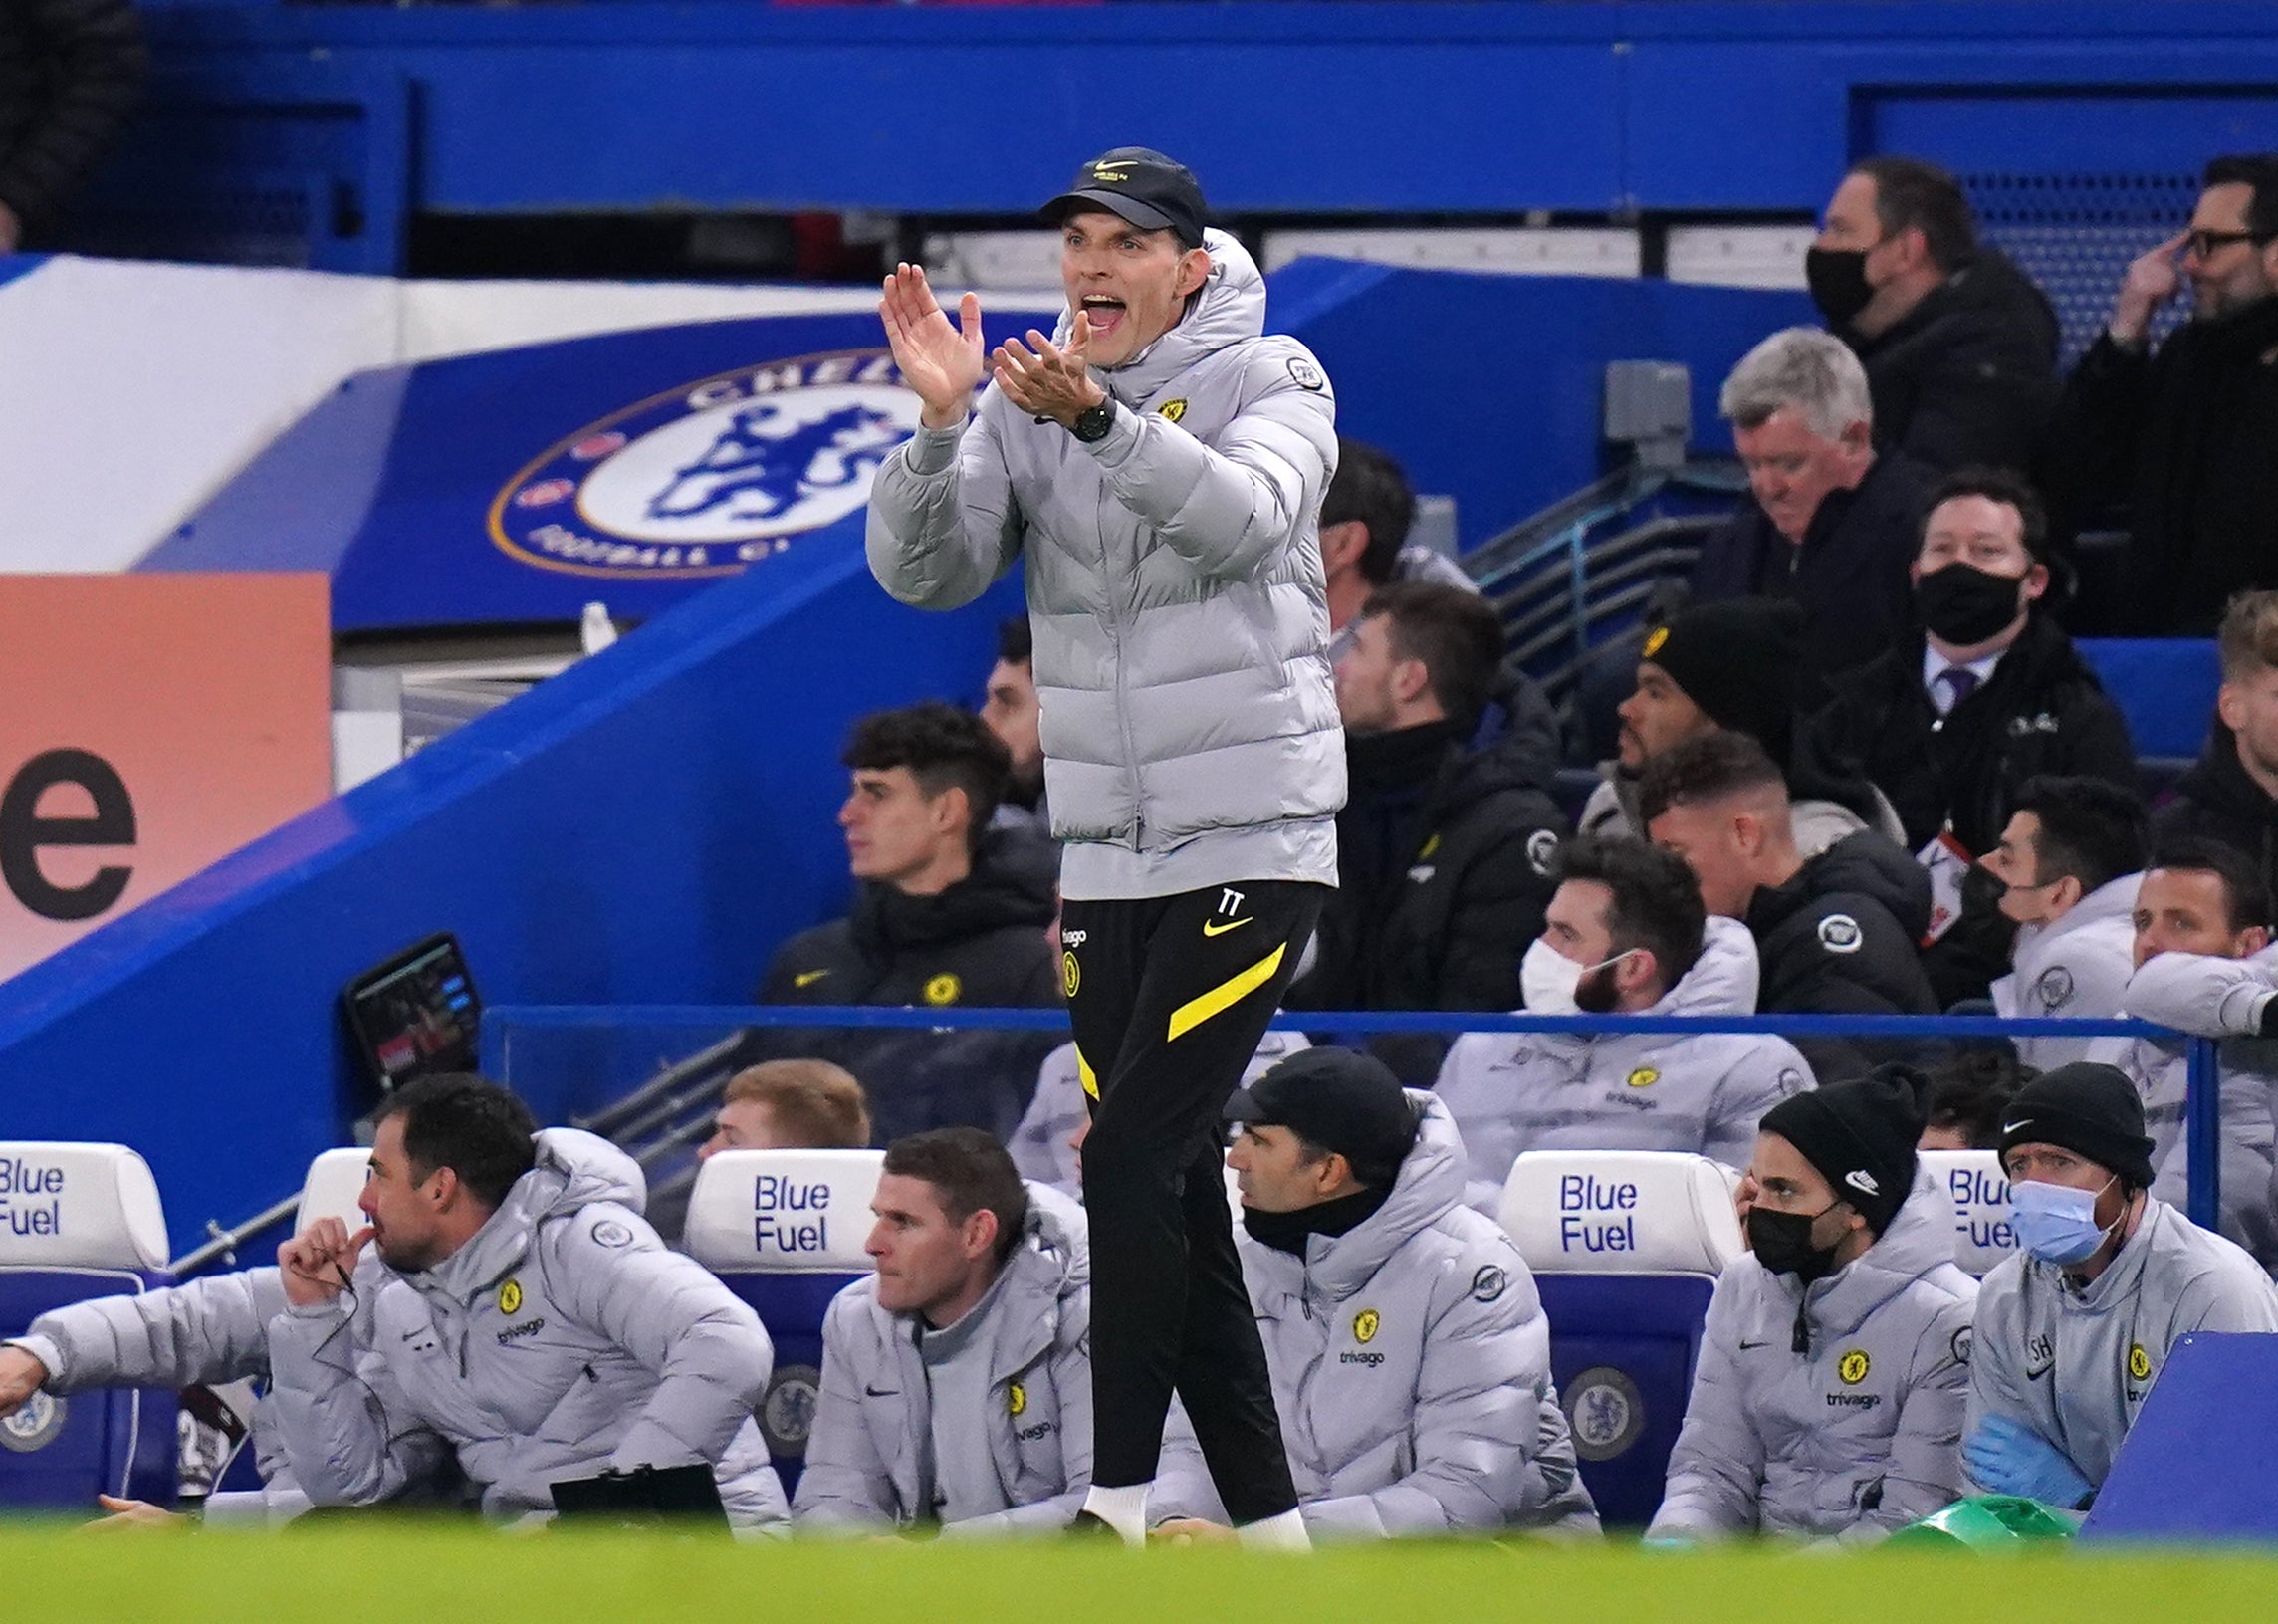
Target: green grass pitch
397, 1574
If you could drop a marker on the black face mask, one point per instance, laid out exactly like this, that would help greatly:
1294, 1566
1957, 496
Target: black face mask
1963, 604
1837, 278
1782, 1242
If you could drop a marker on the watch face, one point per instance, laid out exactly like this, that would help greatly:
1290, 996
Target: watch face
1094, 424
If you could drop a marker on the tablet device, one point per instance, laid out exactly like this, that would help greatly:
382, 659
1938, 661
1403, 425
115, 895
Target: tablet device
685, 1496
415, 1013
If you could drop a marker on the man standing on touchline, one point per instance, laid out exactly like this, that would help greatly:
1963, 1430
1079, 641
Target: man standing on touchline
1158, 467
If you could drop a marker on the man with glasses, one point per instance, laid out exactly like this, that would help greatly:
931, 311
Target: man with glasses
2174, 446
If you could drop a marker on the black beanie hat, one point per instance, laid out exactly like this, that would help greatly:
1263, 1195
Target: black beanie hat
1737, 660
1861, 1136
2088, 1109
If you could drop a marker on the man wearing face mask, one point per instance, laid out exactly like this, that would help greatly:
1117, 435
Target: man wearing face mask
1960, 347
2069, 864
2174, 446
1986, 692
2199, 913
1835, 1362
1625, 934
2072, 1331
1829, 522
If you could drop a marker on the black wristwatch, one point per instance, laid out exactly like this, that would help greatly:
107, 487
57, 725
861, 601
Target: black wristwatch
1091, 426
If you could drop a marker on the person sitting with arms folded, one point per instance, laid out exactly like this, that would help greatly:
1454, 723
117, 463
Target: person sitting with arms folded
1835, 1362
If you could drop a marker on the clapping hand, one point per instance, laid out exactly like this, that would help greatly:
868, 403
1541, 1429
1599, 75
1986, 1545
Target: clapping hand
1047, 381
939, 361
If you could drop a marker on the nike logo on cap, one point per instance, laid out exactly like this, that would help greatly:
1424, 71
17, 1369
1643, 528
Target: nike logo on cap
2016, 1127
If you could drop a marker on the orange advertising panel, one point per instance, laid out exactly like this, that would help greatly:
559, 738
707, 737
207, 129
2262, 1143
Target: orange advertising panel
153, 724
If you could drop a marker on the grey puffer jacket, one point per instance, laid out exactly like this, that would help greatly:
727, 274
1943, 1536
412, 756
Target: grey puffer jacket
1175, 590
561, 1341
2075, 1363
1857, 1435
1411, 1366
1705, 1092
873, 1434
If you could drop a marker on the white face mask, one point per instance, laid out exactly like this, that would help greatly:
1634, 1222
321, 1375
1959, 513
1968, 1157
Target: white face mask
1547, 978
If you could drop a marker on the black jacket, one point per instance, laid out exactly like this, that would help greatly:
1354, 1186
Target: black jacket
69, 73
981, 943
2042, 711
2215, 800
1443, 857
1850, 574
2181, 449
1969, 374
1840, 937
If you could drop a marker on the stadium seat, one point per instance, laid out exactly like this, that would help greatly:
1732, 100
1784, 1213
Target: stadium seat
80, 1222
1980, 1192
335, 1179
785, 1229
1626, 1248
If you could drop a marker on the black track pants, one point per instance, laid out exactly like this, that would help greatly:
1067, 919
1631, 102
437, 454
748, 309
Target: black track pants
1169, 996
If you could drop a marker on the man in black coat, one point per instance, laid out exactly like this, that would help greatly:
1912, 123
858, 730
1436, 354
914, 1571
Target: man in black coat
1443, 849
2230, 795
1835, 934
2177, 448
69, 73
1829, 522
950, 912
1986, 690
1960, 346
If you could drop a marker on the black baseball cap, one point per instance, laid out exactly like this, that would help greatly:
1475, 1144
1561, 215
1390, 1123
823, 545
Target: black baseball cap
1339, 1099
1141, 185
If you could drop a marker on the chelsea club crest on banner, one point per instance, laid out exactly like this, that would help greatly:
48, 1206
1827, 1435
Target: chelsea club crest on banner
708, 478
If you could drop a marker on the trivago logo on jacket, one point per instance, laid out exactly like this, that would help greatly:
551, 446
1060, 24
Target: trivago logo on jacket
714, 475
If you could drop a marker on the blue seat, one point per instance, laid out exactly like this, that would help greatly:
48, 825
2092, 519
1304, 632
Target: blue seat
80, 1222
1626, 1248
784, 1228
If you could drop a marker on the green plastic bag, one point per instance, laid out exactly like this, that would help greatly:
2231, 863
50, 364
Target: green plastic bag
1990, 1522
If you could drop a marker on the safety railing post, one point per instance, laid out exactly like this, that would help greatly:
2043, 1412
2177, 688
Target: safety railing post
2202, 1129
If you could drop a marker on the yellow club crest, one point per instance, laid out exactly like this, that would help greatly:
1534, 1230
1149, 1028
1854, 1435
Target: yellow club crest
1645, 1076
2139, 1362
1851, 1368
1172, 411
943, 988
1364, 1325
1654, 640
510, 1299
1017, 1400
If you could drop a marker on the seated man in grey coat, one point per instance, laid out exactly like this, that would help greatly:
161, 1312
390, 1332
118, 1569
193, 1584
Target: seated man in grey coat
1410, 1359
957, 1378
525, 1316
1835, 1362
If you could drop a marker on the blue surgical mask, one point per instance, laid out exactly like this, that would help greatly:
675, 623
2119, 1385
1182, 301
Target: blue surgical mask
2056, 1222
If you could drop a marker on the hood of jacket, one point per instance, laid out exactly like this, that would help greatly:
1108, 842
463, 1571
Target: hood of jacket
1987, 293
1012, 883
1868, 865
1918, 1241
1517, 746
2220, 782
575, 1168
1723, 981
1228, 307
1429, 1187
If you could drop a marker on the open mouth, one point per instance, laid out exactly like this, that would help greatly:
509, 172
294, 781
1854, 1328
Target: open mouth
1106, 311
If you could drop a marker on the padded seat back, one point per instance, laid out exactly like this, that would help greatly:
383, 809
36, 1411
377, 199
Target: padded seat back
1980, 1192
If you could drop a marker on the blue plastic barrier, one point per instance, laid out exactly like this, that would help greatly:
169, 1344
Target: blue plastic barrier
2200, 1461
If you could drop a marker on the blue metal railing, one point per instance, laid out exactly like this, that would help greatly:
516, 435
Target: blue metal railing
2203, 1107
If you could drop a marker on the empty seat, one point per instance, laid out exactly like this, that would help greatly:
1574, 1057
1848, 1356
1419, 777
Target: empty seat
1626, 1246
785, 1229
80, 1222
1980, 1192
335, 1182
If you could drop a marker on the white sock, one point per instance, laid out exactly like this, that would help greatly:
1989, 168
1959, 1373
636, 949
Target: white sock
1124, 1510
1284, 1532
